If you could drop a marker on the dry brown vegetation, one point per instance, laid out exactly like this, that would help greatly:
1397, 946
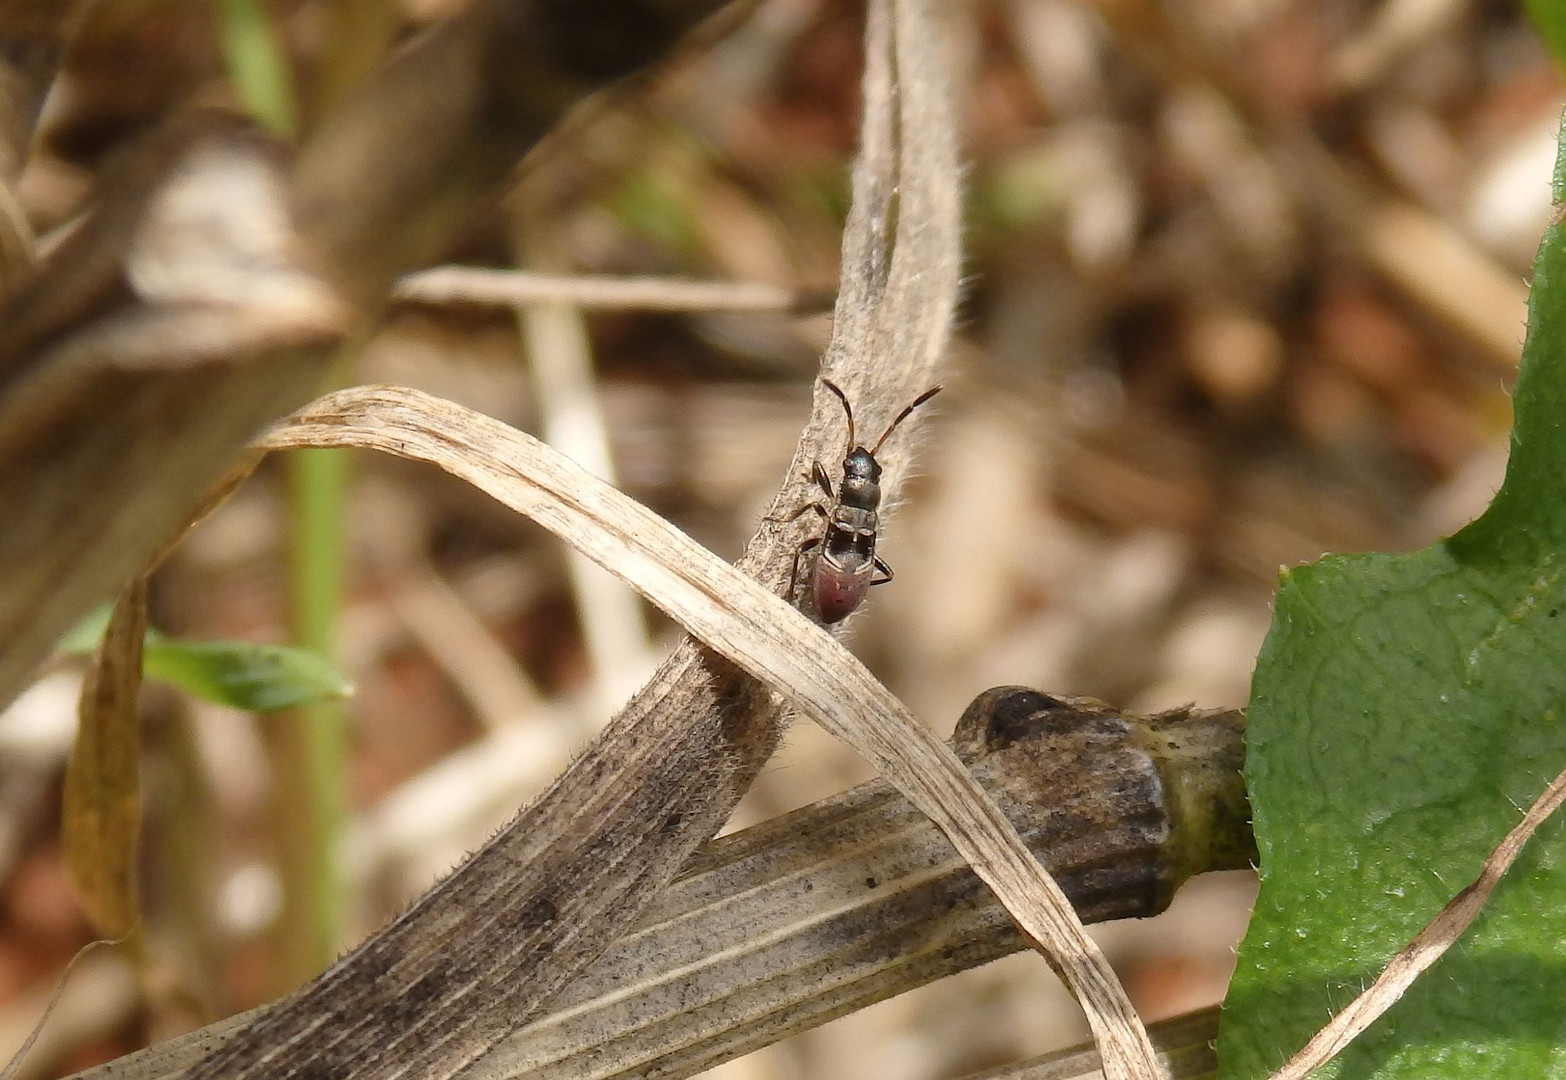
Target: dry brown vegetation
1244, 284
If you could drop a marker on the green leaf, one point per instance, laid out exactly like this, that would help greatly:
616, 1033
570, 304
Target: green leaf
1550, 17
1404, 711
260, 678
241, 675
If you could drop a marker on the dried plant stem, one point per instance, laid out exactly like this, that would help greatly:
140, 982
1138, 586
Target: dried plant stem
1185, 1049
504, 288
898, 301
559, 357
738, 953
756, 630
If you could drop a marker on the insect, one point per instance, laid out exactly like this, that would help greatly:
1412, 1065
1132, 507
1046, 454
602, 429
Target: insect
846, 564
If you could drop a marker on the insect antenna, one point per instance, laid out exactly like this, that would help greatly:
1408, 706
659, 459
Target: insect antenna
832, 386
912, 405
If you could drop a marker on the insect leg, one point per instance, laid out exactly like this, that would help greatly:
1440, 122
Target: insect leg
880, 564
819, 508
799, 553
818, 473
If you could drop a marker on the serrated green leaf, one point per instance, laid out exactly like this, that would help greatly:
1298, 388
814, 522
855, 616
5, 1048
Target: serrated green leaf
260, 678
1404, 710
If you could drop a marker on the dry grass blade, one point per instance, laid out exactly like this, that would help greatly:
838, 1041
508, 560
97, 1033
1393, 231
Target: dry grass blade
102, 818
482, 285
555, 341
42, 1029
758, 631
1185, 1048
1426, 947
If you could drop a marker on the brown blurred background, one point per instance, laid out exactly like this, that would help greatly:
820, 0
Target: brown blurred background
1245, 285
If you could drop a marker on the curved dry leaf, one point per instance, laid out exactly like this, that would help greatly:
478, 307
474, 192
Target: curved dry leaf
102, 816
757, 630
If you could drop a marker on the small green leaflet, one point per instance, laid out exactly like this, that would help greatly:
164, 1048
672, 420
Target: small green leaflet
241, 675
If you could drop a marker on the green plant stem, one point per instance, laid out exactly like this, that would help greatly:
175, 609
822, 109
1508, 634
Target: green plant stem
257, 65
309, 744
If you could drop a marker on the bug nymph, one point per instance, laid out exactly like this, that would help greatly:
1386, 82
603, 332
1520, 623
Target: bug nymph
846, 564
